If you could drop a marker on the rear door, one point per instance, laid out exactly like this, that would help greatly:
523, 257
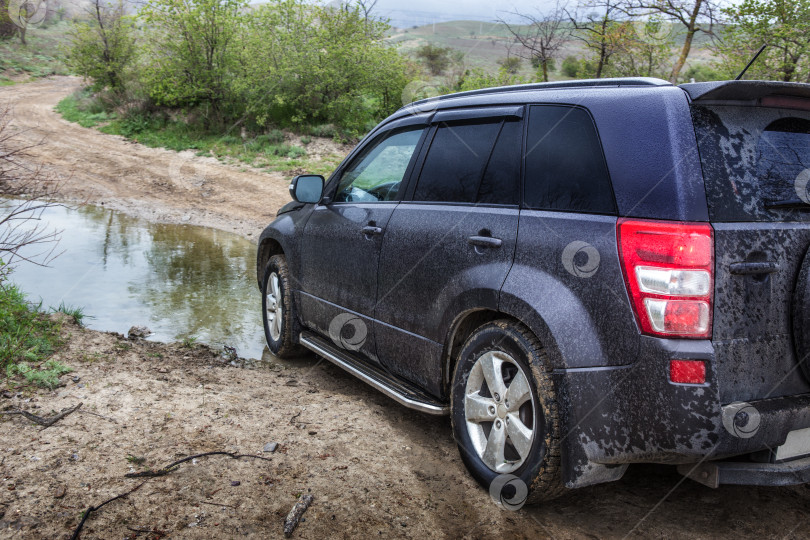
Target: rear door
449, 245
756, 165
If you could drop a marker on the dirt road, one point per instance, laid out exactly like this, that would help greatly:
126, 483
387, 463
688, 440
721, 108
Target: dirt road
160, 185
376, 469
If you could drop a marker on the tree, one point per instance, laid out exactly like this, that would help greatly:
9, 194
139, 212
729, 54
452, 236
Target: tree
541, 36
644, 52
695, 16
309, 64
782, 25
192, 53
103, 45
601, 30
436, 58
29, 192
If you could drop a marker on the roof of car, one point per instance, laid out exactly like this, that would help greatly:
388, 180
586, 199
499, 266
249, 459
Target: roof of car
623, 82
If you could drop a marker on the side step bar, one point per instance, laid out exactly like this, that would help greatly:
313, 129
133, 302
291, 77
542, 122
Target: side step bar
391, 385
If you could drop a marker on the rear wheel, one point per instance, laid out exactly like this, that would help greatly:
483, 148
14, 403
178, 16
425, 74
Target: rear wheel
504, 411
278, 310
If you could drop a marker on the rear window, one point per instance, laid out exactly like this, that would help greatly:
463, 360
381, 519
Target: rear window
756, 162
565, 165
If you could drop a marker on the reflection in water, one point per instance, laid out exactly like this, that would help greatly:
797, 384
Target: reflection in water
179, 280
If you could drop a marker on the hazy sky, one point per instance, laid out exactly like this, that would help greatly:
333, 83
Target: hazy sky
463, 9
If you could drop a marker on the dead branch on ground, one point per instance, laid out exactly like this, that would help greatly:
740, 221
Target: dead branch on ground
42, 421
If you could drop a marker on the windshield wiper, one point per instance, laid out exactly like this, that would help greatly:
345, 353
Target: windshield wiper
787, 204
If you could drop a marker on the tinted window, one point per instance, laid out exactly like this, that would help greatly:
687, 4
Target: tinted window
501, 181
377, 173
470, 163
456, 161
565, 166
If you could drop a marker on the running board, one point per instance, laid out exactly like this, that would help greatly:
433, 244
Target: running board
394, 387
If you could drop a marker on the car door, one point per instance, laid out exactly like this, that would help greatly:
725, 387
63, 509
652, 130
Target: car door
449, 245
342, 239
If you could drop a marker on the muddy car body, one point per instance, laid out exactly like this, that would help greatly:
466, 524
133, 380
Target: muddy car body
633, 251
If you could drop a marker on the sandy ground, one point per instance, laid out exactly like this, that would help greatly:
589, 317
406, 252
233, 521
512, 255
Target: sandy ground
376, 469
157, 184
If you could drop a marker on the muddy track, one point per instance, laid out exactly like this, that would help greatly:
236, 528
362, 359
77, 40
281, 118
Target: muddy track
158, 184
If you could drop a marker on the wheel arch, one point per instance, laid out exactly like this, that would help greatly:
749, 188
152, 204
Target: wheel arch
460, 330
267, 248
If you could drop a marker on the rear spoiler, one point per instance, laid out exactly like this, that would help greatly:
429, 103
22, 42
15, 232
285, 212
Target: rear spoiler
751, 93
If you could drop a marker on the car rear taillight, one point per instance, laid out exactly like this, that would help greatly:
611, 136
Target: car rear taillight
669, 272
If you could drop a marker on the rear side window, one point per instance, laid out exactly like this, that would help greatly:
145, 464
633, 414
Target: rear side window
565, 165
756, 162
472, 163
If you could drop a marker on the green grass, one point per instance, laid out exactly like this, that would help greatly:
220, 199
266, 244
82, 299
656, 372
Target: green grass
271, 151
40, 57
71, 110
27, 339
76, 312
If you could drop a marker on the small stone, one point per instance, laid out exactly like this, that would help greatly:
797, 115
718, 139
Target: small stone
139, 332
59, 492
80, 385
313, 432
76, 378
236, 483
270, 447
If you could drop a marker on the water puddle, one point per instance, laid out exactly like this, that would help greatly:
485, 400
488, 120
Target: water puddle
181, 281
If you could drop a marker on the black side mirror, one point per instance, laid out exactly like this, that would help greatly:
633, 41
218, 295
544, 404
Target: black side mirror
307, 188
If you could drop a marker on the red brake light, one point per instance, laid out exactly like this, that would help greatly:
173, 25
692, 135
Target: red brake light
669, 272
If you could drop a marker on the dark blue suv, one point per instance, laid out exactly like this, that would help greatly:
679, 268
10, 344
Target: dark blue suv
583, 275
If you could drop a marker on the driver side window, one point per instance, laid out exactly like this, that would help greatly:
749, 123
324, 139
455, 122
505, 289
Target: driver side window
376, 175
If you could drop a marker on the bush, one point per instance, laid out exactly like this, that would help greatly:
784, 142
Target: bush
435, 58
570, 66
27, 336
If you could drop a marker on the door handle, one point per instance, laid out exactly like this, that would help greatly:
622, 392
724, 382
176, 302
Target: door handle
485, 241
753, 268
370, 230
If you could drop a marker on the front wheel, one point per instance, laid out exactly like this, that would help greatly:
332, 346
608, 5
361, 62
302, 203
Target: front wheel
278, 310
504, 410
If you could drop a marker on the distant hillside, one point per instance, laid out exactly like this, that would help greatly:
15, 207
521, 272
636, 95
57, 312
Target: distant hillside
484, 43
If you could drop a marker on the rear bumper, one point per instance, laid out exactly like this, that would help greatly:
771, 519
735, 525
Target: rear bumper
713, 474
634, 414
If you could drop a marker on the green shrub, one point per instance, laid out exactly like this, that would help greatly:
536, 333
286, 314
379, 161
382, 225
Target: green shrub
570, 66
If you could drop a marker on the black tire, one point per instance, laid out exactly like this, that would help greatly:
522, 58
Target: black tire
539, 469
285, 343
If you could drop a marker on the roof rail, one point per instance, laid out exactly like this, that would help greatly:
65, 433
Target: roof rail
583, 83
